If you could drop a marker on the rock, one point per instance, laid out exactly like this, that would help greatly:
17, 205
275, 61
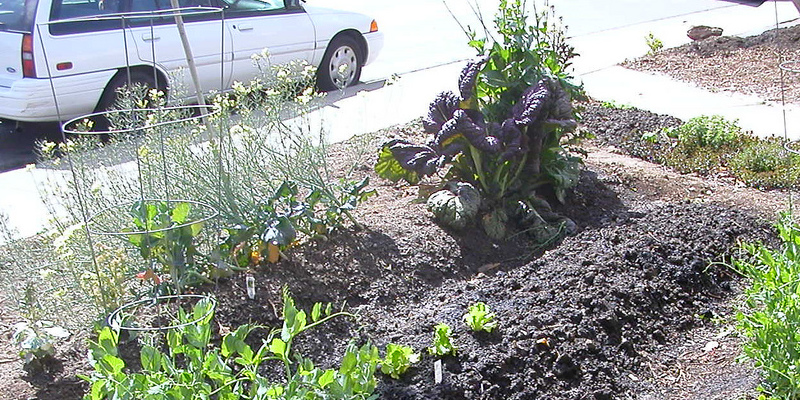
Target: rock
565, 367
703, 32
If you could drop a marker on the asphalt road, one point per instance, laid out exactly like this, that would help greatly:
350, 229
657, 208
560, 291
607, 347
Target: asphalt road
17, 144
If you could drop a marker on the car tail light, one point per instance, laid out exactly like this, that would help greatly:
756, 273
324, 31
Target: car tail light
373, 27
28, 69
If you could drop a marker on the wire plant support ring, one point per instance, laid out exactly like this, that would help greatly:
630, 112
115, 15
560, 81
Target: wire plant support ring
198, 112
116, 320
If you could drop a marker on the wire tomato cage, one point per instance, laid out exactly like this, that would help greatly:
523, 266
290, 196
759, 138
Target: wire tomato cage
133, 124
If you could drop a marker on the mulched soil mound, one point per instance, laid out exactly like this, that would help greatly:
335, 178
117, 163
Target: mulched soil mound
585, 320
744, 65
582, 321
623, 128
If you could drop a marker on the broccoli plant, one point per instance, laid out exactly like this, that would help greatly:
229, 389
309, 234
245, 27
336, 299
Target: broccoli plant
501, 136
479, 318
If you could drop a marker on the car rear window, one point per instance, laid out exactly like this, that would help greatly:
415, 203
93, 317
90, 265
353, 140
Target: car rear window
17, 15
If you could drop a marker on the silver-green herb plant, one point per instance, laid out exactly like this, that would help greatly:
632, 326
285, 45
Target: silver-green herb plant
36, 338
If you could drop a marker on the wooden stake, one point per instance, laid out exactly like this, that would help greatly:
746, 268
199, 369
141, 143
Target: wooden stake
189, 57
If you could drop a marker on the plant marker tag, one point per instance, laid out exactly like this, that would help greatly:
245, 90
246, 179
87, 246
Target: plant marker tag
251, 286
437, 372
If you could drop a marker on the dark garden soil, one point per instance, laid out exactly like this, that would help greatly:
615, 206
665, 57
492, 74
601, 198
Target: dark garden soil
634, 306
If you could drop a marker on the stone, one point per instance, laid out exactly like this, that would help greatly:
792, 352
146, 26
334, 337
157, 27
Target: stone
703, 32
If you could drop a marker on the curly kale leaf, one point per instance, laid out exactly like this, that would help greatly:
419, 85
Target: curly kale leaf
399, 159
514, 141
472, 127
440, 111
468, 79
447, 135
532, 104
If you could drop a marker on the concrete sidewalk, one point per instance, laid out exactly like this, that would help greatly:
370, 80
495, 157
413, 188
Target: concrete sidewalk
604, 38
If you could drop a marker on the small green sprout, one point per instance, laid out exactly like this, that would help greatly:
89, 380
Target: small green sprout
653, 43
479, 318
398, 359
442, 343
651, 136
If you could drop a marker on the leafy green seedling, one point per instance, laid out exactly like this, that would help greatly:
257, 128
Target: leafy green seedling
479, 318
398, 359
35, 341
651, 137
653, 43
442, 341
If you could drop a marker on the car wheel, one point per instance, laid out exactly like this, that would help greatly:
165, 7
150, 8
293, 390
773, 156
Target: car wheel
341, 65
141, 83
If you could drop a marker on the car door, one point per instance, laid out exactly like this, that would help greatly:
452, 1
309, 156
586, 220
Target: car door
156, 37
281, 27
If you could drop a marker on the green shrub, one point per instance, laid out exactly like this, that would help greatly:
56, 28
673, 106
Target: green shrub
707, 131
654, 44
766, 164
703, 144
770, 320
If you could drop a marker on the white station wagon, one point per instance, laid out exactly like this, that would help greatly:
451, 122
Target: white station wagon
87, 45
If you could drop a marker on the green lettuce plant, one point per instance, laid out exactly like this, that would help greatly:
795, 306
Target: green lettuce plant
398, 360
480, 318
442, 341
503, 133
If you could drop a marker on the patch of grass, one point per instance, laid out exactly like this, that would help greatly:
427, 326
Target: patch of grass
706, 131
613, 105
770, 322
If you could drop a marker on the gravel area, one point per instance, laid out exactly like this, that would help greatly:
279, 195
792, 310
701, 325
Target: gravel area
731, 64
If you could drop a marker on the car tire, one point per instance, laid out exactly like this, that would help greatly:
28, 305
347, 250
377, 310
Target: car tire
119, 81
110, 95
343, 54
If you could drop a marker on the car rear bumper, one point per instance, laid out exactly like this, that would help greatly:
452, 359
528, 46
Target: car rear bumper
32, 100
